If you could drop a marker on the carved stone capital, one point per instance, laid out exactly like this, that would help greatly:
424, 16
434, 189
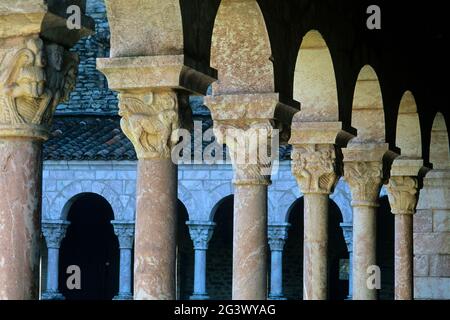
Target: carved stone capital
277, 236
250, 145
402, 194
364, 180
124, 231
54, 232
315, 167
34, 78
201, 233
149, 120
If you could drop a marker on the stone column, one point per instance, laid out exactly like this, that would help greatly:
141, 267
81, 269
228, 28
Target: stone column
201, 233
403, 196
54, 232
277, 238
34, 78
347, 228
244, 122
314, 168
124, 231
365, 180
148, 120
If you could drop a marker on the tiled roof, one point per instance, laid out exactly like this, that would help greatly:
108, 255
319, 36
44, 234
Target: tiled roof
88, 138
100, 138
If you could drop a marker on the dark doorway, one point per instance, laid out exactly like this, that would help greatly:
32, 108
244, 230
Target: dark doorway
185, 255
91, 244
293, 254
219, 264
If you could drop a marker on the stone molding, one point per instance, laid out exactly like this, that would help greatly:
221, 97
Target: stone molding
54, 232
124, 231
201, 233
314, 167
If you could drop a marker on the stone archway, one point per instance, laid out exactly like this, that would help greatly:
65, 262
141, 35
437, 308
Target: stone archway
90, 244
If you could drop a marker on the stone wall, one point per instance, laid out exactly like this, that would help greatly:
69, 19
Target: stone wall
432, 239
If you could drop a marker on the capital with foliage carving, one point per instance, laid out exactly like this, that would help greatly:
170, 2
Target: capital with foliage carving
402, 194
251, 149
34, 78
201, 233
365, 180
277, 236
149, 120
54, 232
124, 231
315, 167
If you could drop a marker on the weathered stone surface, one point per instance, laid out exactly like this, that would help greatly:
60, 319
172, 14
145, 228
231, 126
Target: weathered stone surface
423, 221
441, 221
440, 265
421, 267
155, 249
431, 243
20, 167
432, 288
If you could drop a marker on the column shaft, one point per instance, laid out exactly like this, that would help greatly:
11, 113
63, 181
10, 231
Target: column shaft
125, 272
404, 257
250, 243
200, 273
364, 254
155, 245
276, 280
315, 262
52, 273
20, 188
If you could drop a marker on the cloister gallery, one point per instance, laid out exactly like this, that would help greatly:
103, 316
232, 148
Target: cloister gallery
347, 198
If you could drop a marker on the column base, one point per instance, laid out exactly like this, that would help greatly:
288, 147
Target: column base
276, 297
123, 296
49, 295
199, 297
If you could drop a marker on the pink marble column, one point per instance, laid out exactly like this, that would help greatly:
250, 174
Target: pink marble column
365, 180
313, 165
20, 189
155, 244
402, 192
404, 257
250, 242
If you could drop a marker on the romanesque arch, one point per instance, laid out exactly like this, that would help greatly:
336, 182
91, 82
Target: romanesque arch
315, 80
241, 51
409, 138
57, 207
155, 29
439, 148
368, 112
